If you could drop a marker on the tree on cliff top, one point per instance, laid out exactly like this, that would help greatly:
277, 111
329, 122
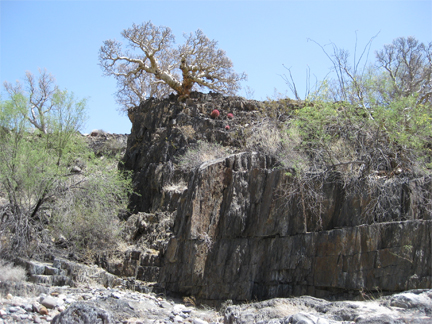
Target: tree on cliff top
154, 66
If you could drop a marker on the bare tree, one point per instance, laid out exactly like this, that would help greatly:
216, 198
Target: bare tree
154, 66
40, 97
403, 69
408, 63
351, 79
134, 88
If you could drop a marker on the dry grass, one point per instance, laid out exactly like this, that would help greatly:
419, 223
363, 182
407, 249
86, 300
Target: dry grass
202, 152
9, 272
188, 131
175, 187
278, 141
266, 137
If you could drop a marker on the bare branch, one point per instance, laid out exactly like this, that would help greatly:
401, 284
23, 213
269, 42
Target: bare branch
408, 63
349, 83
291, 83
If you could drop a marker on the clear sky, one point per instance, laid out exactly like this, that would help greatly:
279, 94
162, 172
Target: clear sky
258, 36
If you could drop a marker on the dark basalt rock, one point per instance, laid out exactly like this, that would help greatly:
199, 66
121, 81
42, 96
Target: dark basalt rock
234, 236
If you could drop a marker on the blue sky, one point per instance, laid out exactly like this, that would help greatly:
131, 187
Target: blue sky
258, 36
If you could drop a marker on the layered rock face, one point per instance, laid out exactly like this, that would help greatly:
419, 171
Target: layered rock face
162, 131
235, 238
235, 234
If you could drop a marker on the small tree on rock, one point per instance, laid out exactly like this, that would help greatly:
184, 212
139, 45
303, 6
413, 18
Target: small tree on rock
154, 66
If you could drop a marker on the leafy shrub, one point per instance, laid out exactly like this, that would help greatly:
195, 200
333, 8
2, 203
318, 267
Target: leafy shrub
44, 198
373, 157
87, 214
337, 135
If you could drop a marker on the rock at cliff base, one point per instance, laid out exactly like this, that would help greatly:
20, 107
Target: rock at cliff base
83, 313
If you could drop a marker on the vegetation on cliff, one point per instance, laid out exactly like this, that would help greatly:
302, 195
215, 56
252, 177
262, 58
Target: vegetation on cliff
355, 151
53, 186
372, 124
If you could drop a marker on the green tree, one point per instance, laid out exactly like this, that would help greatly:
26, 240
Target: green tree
46, 104
37, 153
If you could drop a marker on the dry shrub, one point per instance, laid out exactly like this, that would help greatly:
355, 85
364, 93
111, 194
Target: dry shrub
384, 198
202, 152
304, 186
267, 138
178, 187
304, 191
188, 131
277, 140
9, 272
395, 198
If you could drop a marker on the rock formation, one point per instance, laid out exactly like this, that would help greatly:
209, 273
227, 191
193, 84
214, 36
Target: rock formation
234, 235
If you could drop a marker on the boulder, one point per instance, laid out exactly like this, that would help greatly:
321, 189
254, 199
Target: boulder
412, 299
83, 313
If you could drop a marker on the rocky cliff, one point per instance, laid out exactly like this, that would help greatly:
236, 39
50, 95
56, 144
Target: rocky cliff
231, 232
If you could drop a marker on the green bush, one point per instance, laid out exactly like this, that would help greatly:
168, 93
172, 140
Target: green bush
87, 213
36, 177
371, 127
